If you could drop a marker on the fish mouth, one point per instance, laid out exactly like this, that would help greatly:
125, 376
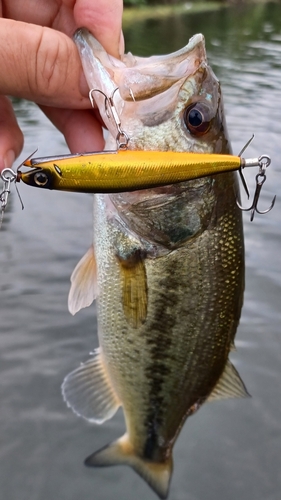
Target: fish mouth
139, 78
145, 83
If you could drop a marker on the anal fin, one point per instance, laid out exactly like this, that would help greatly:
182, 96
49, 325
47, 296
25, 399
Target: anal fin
230, 385
83, 289
88, 391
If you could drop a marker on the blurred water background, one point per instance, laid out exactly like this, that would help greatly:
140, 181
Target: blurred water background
230, 449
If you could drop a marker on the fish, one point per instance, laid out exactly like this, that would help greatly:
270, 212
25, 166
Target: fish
113, 171
166, 265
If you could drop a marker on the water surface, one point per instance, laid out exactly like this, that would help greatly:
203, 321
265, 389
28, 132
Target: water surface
230, 449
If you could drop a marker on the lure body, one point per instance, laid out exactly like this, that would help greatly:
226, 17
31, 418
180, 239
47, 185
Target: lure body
124, 170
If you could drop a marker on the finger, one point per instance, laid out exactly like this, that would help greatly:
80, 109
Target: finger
11, 137
42, 65
104, 19
81, 129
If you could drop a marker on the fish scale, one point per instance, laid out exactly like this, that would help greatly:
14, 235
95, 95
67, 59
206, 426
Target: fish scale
170, 285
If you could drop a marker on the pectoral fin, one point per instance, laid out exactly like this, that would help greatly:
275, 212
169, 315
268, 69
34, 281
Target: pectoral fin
229, 385
83, 289
88, 391
134, 289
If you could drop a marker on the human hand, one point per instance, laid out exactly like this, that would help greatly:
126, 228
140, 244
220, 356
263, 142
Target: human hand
43, 65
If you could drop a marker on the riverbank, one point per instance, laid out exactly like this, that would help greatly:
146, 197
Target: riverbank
159, 11
143, 12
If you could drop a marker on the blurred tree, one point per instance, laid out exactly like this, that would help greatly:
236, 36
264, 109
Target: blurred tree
129, 3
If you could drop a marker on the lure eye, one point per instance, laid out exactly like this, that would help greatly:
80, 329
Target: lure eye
40, 179
198, 117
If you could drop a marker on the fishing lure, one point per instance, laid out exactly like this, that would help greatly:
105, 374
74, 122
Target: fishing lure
126, 170
110, 172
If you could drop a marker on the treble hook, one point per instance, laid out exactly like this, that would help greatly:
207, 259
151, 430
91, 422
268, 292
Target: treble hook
122, 138
264, 161
8, 176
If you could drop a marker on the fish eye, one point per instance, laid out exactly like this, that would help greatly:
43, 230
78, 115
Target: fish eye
40, 179
198, 117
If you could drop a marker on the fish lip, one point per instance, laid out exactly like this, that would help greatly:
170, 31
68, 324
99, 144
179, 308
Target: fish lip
196, 40
83, 37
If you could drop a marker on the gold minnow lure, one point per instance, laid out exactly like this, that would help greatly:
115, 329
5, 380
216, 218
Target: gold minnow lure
118, 171
110, 172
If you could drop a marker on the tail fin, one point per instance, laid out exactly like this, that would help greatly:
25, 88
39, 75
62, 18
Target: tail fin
121, 452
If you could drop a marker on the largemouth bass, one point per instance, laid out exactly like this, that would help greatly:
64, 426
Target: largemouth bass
166, 266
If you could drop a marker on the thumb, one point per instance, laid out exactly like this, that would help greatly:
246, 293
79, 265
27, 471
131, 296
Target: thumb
104, 19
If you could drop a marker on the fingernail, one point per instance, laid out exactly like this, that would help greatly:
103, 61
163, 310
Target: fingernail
9, 158
121, 45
